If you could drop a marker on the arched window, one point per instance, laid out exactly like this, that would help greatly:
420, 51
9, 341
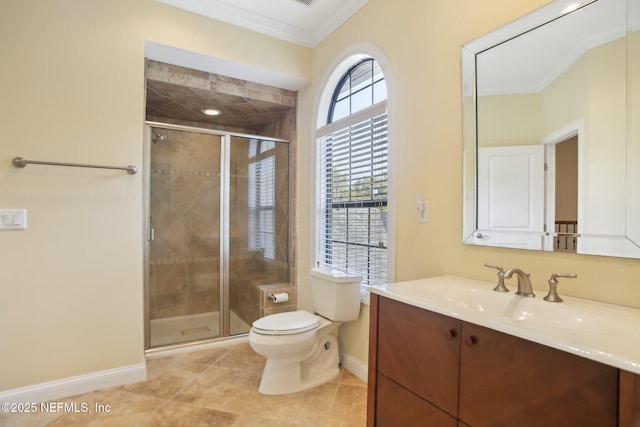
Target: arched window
352, 176
360, 87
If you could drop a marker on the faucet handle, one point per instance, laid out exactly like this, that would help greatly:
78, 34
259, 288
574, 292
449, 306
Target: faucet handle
500, 287
553, 284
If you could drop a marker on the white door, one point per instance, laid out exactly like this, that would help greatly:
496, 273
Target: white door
511, 196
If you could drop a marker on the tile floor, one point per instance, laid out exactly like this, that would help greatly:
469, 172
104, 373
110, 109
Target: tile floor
215, 387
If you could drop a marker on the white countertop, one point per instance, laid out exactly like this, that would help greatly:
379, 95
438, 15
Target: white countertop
606, 333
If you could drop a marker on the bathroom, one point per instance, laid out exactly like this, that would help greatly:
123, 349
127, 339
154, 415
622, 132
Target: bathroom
73, 282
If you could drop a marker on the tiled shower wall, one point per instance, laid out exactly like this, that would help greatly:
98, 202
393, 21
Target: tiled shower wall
251, 270
188, 283
184, 200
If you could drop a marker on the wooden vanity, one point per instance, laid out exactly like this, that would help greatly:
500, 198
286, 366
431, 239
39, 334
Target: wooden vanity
431, 369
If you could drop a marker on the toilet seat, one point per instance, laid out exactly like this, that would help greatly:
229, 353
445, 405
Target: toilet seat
289, 323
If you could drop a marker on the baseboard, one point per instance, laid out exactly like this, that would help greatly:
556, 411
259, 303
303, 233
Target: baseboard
355, 366
72, 386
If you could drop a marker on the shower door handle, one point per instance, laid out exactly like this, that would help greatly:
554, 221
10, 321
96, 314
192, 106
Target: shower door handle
151, 234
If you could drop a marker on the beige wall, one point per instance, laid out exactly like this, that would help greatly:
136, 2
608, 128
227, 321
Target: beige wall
73, 90
421, 41
505, 120
72, 85
633, 67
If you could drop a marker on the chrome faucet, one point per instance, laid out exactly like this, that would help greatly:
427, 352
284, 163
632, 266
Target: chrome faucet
524, 284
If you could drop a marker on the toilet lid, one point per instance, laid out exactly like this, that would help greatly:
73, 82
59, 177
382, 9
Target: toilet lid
292, 322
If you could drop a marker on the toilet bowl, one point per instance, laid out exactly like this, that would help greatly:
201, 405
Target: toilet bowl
301, 348
296, 359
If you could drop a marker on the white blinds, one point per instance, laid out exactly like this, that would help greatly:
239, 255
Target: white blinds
262, 179
353, 199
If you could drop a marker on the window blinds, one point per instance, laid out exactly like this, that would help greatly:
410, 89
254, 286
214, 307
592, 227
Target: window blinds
262, 179
353, 199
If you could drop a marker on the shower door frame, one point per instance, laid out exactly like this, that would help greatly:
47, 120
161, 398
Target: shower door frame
225, 157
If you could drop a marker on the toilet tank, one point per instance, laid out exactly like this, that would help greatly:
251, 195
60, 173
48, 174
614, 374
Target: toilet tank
336, 295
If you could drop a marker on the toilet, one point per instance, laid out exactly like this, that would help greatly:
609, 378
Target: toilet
301, 348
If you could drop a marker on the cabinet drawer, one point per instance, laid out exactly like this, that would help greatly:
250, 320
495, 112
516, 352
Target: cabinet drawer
396, 406
420, 350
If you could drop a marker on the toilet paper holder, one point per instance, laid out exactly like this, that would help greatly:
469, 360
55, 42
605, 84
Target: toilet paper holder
279, 297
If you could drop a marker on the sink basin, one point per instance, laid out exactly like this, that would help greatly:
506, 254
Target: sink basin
598, 331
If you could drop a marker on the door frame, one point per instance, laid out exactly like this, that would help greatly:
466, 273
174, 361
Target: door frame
575, 128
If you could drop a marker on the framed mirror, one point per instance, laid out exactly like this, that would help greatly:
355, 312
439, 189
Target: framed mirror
551, 132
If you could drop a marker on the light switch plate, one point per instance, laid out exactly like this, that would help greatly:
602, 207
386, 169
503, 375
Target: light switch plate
13, 219
423, 214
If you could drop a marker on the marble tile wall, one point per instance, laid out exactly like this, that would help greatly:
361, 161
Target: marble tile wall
184, 201
268, 307
177, 95
185, 255
252, 269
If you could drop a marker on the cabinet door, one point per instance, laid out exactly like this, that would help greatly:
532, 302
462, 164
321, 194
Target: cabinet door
629, 399
397, 406
421, 351
508, 381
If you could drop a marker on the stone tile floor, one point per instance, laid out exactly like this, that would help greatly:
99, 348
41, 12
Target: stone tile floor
215, 387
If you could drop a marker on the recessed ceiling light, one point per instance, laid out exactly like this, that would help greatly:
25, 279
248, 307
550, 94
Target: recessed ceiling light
211, 112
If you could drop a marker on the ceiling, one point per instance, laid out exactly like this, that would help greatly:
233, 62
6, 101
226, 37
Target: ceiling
175, 103
303, 22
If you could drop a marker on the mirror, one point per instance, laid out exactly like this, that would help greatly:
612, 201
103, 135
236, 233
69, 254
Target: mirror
551, 136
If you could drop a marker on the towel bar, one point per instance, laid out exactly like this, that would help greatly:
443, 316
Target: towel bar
21, 162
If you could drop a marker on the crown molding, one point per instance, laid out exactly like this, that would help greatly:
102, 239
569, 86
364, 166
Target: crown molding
314, 22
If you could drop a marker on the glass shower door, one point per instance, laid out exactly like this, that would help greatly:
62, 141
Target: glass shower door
258, 247
183, 290
218, 232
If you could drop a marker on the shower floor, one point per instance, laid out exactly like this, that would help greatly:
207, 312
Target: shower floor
175, 330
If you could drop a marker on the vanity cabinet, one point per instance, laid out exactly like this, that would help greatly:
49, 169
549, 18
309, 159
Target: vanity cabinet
427, 369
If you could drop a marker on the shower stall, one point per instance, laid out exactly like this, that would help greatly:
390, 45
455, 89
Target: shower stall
218, 230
